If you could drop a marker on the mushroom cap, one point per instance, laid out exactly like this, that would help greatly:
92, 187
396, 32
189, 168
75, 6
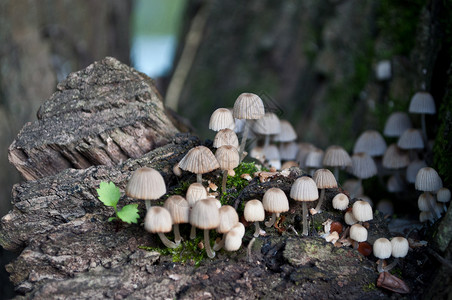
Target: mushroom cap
340, 201
411, 139
195, 192
221, 119
199, 160
365, 199
304, 189
395, 158
314, 159
178, 208
228, 218
428, 180
425, 216
275, 201
267, 125
394, 184
350, 219
422, 103
443, 195
385, 206
362, 211
358, 233
233, 241
370, 142
257, 153
248, 106
396, 124
288, 151
146, 184
425, 201
254, 211
226, 137
324, 179
382, 248
271, 152
158, 219
336, 156
413, 168
353, 186
287, 132
239, 228
227, 157
303, 151
400, 246
363, 165
205, 214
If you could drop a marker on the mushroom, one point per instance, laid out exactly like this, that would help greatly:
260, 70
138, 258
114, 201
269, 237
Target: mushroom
276, 202
286, 134
303, 151
225, 137
400, 247
324, 179
363, 167
199, 160
205, 215
228, 219
196, 191
362, 211
180, 213
314, 160
248, 106
254, 212
146, 184
271, 154
228, 159
422, 103
370, 142
396, 124
336, 157
221, 119
382, 249
358, 233
413, 168
411, 140
443, 196
349, 218
304, 189
340, 201
158, 220
428, 181
233, 239
267, 125
288, 151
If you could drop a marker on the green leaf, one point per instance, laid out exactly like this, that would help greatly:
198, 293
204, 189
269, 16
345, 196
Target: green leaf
129, 213
112, 219
108, 193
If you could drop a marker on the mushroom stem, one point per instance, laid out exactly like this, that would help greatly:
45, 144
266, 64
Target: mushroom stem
267, 140
148, 204
220, 244
356, 188
258, 229
272, 220
199, 178
177, 237
380, 268
391, 265
336, 173
209, 251
424, 129
225, 179
318, 208
192, 232
432, 209
305, 219
243, 142
165, 241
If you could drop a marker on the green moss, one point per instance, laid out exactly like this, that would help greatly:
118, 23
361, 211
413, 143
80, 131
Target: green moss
235, 184
182, 188
369, 287
396, 272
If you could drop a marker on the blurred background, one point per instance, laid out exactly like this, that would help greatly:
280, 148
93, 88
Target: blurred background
332, 68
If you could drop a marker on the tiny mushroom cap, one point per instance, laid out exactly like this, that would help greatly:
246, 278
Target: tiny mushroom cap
443, 195
158, 219
314, 159
146, 184
288, 151
199, 160
228, 218
400, 246
411, 139
349, 218
396, 124
370, 142
382, 248
363, 165
413, 168
395, 158
275, 201
340, 201
205, 214
257, 153
233, 240
248, 106
394, 184
254, 211
422, 103
362, 211
195, 192
287, 133
303, 151
271, 152
324, 179
267, 125
353, 185
226, 137
424, 201
425, 216
178, 208
358, 233
221, 119
227, 157
428, 180
304, 189
336, 156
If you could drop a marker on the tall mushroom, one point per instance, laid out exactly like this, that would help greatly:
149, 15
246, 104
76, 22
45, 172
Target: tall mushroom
396, 124
276, 202
205, 215
324, 179
248, 106
221, 119
225, 137
422, 103
180, 213
363, 167
304, 189
146, 184
370, 142
267, 125
199, 160
228, 159
196, 191
158, 220
336, 157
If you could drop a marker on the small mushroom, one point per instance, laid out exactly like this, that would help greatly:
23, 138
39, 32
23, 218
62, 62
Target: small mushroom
336, 157
199, 160
324, 179
358, 233
228, 219
228, 159
146, 184
275, 201
158, 220
180, 213
340, 201
220, 119
205, 215
422, 103
305, 190
233, 239
382, 249
400, 247
254, 212
362, 211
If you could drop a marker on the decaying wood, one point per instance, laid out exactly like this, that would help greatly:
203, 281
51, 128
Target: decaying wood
101, 115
